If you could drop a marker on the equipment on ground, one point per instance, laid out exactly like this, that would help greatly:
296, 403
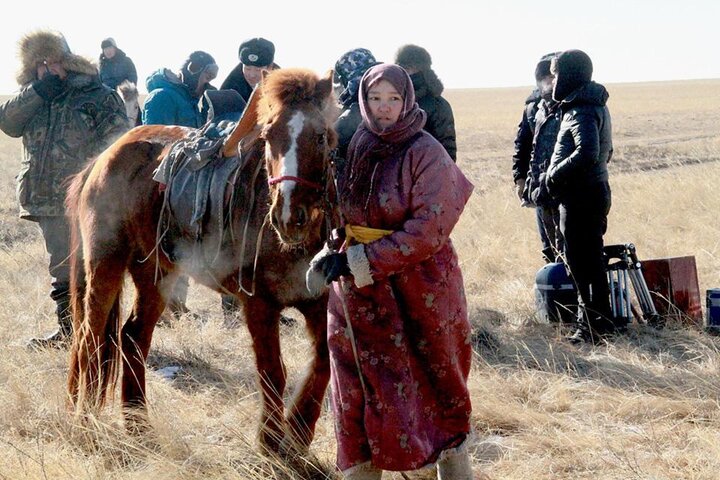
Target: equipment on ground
624, 269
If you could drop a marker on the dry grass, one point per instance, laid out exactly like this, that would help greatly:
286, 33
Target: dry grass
642, 407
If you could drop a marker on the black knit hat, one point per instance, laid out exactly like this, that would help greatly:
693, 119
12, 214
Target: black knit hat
543, 67
413, 56
257, 52
573, 69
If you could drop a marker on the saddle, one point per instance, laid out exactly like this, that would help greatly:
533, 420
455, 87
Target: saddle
200, 185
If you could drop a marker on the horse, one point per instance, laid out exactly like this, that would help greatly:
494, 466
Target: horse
131, 98
284, 137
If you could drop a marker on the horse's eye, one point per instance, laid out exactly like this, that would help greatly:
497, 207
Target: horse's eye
321, 139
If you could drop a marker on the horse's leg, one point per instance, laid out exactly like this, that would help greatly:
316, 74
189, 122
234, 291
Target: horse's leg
306, 405
136, 338
93, 359
263, 320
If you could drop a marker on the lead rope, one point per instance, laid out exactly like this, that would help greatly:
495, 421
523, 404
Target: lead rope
345, 286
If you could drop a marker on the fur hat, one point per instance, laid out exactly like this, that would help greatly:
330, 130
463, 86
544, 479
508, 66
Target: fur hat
46, 45
542, 69
413, 56
257, 52
108, 42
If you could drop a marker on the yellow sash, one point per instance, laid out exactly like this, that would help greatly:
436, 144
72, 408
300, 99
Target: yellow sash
364, 234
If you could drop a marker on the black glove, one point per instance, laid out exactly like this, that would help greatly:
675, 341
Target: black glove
334, 266
552, 183
49, 86
540, 195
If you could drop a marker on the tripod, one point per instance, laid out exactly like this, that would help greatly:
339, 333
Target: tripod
624, 269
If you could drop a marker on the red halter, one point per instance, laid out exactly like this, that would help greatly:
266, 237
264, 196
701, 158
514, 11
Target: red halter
301, 181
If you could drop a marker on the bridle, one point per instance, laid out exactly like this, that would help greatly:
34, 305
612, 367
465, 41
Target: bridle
301, 181
327, 205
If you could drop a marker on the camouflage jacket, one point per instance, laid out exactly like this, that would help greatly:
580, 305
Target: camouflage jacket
59, 137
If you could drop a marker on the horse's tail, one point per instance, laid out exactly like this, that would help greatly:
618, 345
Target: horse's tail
77, 275
109, 351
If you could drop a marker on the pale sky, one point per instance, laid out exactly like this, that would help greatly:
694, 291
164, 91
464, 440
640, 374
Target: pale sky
473, 43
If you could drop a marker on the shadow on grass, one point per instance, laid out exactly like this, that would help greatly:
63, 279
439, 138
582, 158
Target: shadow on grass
672, 363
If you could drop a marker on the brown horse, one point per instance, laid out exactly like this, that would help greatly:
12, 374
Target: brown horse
285, 137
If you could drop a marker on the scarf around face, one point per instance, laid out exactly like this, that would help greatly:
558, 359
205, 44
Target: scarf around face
371, 143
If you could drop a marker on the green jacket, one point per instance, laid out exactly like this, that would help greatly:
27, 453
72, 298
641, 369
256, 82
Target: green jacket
59, 137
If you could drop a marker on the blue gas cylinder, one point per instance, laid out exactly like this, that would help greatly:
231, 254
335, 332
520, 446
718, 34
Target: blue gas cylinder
555, 294
712, 311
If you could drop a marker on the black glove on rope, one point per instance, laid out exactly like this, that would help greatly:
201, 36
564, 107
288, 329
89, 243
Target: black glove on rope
334, 266
49, 87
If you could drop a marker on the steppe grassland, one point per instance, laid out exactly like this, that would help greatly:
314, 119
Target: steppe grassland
643, 406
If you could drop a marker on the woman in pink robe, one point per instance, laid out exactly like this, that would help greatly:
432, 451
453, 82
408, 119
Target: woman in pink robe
399, 370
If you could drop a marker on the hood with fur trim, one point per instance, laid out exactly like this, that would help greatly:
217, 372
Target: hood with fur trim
42, 45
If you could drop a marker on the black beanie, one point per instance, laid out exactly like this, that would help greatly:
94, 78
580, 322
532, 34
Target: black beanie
573, 70
257, 52
543, 67
413, 56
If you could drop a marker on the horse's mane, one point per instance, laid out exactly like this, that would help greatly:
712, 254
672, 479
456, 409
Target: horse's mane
127, 90
292, 87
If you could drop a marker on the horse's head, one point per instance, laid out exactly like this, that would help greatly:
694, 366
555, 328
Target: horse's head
298, 114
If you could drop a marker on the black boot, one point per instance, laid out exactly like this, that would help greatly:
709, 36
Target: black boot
61, 337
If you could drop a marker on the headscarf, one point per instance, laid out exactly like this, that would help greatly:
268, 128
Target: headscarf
372, 144
349, 70
411, 119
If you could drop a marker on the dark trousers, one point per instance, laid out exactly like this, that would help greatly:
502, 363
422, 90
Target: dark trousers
548, 223
56, 233
583, 222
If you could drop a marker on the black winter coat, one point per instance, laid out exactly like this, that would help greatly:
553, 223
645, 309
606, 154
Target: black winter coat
584, 143
547, 123
345, 126
236, 81
440, 120
114, 71
524, 137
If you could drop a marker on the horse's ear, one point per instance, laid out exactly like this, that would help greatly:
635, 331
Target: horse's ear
245, 125
323, 88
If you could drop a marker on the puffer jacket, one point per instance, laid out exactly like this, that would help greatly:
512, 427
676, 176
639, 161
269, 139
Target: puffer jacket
524, 137
547, 123
114, 71
59, 137
584, 143
440, 119
169, 102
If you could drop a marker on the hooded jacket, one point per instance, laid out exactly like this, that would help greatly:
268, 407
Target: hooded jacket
170, 102
61, 135
440, 119
584, 142
115, 70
